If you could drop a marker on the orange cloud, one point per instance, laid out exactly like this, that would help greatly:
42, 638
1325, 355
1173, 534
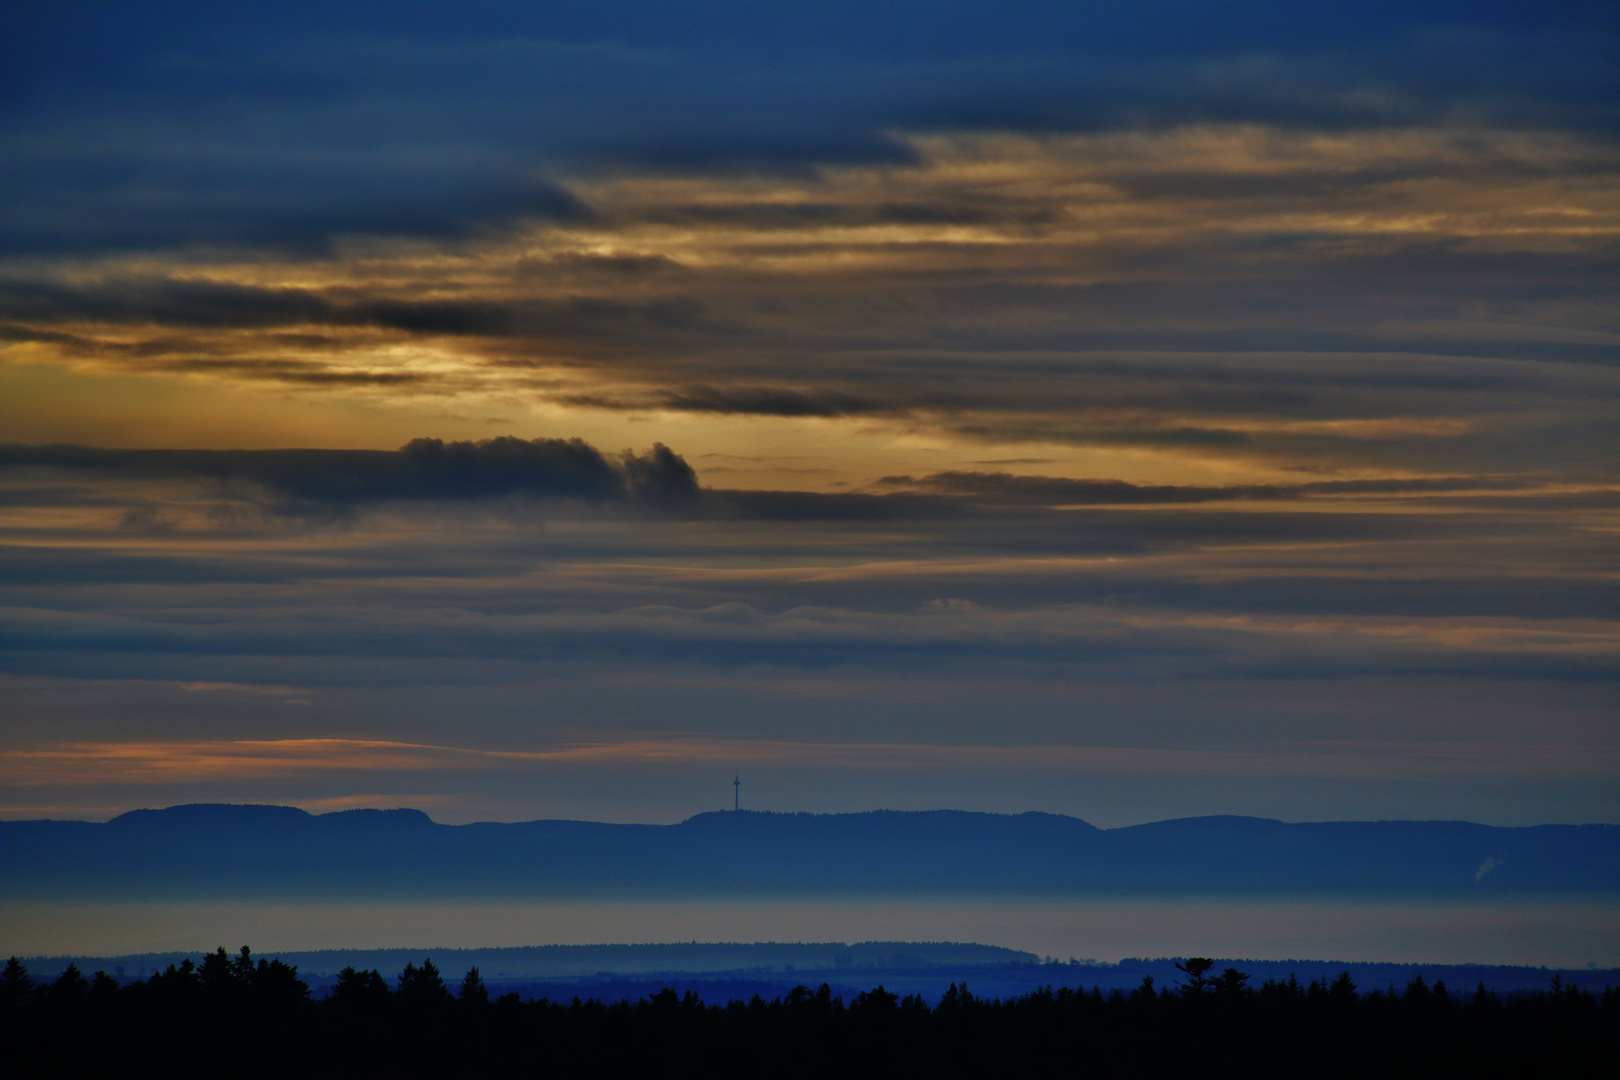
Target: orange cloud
208, 761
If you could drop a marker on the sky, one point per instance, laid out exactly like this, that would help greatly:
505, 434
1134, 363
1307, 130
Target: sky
1128, 410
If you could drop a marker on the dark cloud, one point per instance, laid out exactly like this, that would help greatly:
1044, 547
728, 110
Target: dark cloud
1009, 560
590, 265
429, 470
1079, 432
851, 507
276, 127
768, 401
1049, 490
299, 372
967, 510
1117, 641
162, 301
173, 302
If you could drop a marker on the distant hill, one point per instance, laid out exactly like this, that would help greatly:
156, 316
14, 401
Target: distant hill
722, 971
594, 961
218, 851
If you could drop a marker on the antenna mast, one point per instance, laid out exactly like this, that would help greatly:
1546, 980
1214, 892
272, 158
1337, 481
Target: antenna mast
736, 792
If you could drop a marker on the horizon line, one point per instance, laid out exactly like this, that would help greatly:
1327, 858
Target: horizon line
792, 813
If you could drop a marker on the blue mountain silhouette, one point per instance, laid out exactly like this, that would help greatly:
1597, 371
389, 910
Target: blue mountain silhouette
228, 850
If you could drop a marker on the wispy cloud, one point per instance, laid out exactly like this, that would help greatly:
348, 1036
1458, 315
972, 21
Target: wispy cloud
293, 760
243, 688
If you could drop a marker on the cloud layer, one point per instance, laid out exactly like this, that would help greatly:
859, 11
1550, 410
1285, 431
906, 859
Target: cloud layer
1421, 297
1008, 385
424, 470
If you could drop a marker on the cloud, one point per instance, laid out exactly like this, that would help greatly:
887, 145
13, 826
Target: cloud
214, 761
1047, 490
1429, 296
277, 129
1305, 321
212, 305
1109, 640
296, 372
432, 471
241, 688
767, 401
424, 470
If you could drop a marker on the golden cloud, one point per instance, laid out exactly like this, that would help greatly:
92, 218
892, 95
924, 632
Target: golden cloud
898, 295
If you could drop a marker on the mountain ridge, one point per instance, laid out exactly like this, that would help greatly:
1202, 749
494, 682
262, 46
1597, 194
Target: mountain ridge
223, 849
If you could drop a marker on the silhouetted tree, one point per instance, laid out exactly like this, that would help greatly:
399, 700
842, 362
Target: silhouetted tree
228, 1017
218, 974
102, 986
875, 1002
70, 989
359, 988
473, 992
15, 984
422, 985
1197, 969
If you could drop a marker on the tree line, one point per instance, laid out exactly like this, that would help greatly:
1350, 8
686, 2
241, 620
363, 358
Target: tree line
246, 1016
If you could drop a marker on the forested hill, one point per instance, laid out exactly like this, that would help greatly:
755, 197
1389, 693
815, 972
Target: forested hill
227, 850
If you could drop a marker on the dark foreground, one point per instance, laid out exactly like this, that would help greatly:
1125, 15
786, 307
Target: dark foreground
234, 1016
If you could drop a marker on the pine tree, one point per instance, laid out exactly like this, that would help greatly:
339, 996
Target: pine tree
473, 992
15, 985
1197, 969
